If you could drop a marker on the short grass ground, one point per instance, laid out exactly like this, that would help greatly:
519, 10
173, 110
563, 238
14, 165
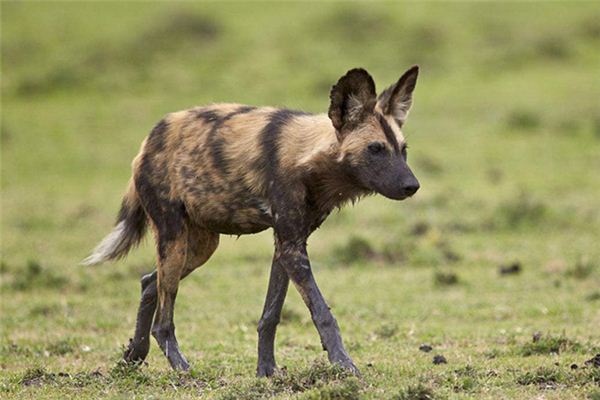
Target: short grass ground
505, 138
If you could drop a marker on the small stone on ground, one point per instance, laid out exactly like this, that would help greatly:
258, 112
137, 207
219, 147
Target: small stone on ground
425, 348
439, 359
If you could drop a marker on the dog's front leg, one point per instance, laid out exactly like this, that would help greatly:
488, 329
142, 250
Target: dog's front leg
278, 285
293, 256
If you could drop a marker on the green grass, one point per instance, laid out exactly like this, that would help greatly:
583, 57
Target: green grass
504, 137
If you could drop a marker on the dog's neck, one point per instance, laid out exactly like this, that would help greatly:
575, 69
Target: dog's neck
330, 182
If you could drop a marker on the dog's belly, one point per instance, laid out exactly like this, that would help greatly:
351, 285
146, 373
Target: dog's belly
230, 214
238, 222
221, 202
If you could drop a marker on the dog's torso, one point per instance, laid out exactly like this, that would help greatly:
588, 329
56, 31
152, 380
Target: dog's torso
223, 163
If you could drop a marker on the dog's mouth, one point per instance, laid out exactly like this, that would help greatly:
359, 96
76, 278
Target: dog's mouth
397, 194
398, 197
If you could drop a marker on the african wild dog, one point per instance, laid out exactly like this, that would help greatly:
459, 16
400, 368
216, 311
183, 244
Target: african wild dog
234, 169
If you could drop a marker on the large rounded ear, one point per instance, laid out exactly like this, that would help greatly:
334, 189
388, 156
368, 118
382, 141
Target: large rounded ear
353, 97
397, 99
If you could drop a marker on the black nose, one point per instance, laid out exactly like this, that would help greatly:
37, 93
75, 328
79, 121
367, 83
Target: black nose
411, 188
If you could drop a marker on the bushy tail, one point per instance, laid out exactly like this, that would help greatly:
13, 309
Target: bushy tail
127, 233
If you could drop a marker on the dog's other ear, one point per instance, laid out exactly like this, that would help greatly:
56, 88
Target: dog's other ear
353, 97
397, 99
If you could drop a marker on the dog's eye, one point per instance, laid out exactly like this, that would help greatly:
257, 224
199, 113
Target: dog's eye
376, 147
403, 152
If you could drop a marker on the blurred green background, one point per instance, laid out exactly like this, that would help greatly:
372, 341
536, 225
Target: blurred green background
504, 136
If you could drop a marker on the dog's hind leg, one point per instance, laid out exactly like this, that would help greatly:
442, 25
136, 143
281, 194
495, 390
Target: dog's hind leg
201, 245
172, 260
139, 345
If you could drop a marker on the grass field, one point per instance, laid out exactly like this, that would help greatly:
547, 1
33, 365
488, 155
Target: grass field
504, 137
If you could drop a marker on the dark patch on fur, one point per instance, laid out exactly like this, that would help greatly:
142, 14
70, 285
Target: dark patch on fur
217, 151
216, 142
156, 139
280, 194
187, 174
389, 133
208, 116
269, 141
293, 222
167, 215
135, 224
244, 110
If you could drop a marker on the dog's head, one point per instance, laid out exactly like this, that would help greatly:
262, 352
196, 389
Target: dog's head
368, 128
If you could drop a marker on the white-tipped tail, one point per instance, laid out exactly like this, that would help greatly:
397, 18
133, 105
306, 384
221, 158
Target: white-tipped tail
127, 233
109, 246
